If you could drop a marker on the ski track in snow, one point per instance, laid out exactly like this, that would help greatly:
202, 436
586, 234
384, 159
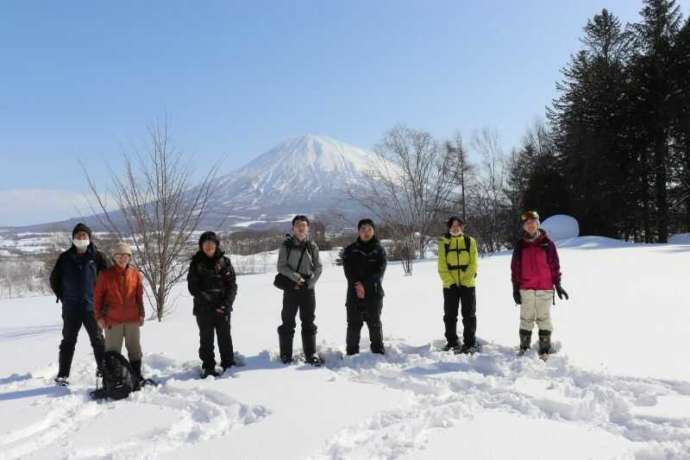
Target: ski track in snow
200, 414
447, 388
443, 389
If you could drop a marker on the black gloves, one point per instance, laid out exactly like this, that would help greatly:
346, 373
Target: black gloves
561, 292
516, 296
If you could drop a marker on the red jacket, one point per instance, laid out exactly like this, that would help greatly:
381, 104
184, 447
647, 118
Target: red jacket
535, 264
119, 296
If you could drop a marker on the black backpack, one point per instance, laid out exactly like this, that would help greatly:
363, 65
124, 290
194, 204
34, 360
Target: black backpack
118, 377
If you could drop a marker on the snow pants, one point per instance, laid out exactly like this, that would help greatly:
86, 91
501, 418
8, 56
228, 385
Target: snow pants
536, 308
127, 332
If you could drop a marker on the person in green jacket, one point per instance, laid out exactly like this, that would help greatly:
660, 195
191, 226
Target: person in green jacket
457, 267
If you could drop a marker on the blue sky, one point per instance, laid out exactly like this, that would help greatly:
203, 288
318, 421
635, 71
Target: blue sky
81, 80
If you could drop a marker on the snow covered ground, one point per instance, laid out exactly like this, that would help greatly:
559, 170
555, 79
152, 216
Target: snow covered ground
619, 386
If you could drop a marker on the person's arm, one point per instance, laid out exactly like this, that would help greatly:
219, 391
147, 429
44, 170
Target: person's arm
140, 295
471, 271
317, 267
193, 280
99, 308
283, 267
554, 264
515, 265
230, 282
56, 279
348, 267
443, 271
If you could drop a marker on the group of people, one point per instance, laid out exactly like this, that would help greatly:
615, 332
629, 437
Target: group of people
107, 298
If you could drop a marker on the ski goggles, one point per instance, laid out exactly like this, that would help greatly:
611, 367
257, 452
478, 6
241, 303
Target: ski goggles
529, 215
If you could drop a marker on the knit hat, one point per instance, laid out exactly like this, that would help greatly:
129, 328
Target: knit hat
364, 222
454, 219
300, 218
122, 248
529, 215
209, 236
81, 228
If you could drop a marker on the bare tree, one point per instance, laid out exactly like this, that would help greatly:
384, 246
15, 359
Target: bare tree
158, 210
461, 171
490, 203
407, 187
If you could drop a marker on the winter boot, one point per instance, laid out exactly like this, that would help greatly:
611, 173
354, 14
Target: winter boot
61, 381
451, 346
376, 337
544, 342
525, 340
308, 345
285, 342
65, 363
136, 367
209, 371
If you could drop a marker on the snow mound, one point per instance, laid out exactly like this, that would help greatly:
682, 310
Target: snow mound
594, 242
680, 238
561, 227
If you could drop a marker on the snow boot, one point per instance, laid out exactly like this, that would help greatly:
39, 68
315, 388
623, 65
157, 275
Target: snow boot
136, 367
65, 364
61, 381
467, 349
525, 340
209, 371
309, 346
451, 346
285, 342
544, 342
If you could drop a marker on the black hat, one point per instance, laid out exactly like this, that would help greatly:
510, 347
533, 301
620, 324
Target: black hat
363, 222
81, 228
454, 219
300, 218
209, 236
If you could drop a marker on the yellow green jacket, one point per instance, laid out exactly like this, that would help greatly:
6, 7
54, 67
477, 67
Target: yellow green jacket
450, 260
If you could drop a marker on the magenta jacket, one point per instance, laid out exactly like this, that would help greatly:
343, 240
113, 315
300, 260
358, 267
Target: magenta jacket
535, 264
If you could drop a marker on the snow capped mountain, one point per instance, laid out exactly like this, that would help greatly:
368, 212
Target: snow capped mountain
305, 174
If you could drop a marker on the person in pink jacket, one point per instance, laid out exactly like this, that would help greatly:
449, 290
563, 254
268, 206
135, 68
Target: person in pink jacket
535, 273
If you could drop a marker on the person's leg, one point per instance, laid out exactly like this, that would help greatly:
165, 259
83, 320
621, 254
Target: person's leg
227, 354
469, 316
132, 334
206, 349
286, 331
96, 338
71, 323
373, 319
451, 302
528, 316
114, 335
355, 321
307, 315
544, 299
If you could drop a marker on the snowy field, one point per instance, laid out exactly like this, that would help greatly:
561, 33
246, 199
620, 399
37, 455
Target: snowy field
619, 386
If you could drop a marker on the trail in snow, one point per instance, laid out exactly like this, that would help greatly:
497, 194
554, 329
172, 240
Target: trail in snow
447, 388
444, 389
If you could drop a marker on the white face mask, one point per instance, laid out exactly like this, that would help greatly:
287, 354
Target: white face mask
81, 244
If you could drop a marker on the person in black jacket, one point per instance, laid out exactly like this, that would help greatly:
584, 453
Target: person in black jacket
211, 281
73, 280
364, 262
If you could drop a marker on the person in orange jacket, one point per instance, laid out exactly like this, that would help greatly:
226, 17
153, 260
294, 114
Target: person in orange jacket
119, 306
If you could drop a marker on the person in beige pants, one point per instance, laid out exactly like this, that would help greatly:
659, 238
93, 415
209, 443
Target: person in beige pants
119, 306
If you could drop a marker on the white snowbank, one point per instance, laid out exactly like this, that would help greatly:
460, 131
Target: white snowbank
561, 227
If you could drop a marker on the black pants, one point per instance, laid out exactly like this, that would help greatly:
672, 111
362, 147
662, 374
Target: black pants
72, 321
209, 322
453, 297
304, 302
359, 313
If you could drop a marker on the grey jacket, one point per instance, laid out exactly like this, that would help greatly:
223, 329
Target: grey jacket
311, 263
